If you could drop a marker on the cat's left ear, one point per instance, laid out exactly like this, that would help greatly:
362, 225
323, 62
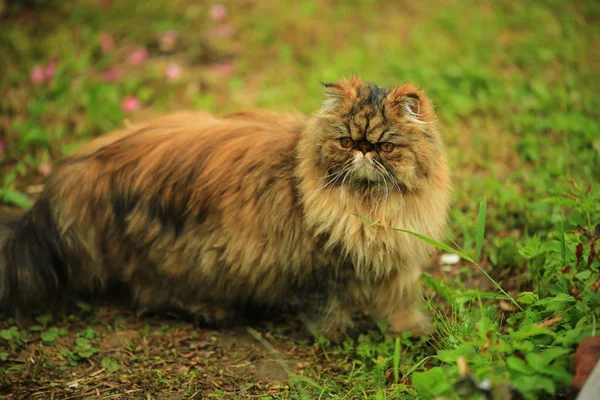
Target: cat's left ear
411, 103
337, 95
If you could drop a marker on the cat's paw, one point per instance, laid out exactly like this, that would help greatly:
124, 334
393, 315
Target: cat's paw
417, 323
214, 317
334, 335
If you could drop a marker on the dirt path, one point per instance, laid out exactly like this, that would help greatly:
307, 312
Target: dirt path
136, 357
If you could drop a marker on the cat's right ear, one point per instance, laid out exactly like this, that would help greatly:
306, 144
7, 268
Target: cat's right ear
336, 95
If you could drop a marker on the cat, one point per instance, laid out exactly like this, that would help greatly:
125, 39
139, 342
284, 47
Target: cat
208, 214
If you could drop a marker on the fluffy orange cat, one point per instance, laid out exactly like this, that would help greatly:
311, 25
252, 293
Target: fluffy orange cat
209, 215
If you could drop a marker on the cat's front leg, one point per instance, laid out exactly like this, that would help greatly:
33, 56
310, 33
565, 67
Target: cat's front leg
332, 319
398, 300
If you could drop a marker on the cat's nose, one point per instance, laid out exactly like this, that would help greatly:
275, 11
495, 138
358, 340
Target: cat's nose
365, 146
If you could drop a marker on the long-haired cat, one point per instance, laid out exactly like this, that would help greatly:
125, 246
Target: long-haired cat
210, 214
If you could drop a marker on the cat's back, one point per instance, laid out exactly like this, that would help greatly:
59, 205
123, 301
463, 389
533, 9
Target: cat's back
181, 167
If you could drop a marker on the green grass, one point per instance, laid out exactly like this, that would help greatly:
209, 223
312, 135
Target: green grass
516, 88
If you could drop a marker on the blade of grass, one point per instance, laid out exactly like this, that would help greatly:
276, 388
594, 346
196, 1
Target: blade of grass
563, 244
417, 366
480, 229
397, 361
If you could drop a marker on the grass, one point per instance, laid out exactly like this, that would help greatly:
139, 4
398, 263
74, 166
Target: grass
516, 89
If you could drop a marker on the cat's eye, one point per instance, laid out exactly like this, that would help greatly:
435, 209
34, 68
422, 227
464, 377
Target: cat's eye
386, 146
346, 142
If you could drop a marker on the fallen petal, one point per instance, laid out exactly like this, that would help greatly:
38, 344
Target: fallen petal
138, 56
130, 104
107, 43
225, 68
50, 70
111, 75
222, 31
218, 12
173, 71
37, 74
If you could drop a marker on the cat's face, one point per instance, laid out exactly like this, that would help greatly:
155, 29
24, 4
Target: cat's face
376, 138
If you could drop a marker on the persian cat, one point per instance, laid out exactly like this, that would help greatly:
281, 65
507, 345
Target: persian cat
210, 215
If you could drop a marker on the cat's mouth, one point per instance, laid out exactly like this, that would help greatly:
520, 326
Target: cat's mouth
365, 170
367, 173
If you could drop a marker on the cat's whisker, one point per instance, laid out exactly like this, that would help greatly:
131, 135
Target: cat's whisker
345, 170
336, 176
342, 197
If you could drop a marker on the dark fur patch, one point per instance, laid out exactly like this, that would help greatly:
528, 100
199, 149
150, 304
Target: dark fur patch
376, 95
122, 205
169, 215
36, 272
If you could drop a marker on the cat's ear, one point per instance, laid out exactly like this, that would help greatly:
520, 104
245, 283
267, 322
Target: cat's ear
337, 95
411, 103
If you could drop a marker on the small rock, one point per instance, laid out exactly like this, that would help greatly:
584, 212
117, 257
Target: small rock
449, 258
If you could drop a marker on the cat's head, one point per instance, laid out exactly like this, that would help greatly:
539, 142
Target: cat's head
382, 139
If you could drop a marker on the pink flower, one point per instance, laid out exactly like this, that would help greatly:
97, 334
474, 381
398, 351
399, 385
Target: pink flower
130, 104
50, 70
41, 74
173, 71
37, 75
224, 68
222, 31
111, 75
138, 56
168, 41
45, 169
107, 43
3, 143
218, 12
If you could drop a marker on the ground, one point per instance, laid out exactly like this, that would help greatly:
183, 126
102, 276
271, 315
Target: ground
516, 89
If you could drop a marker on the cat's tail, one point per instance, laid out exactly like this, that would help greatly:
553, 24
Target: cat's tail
33, 271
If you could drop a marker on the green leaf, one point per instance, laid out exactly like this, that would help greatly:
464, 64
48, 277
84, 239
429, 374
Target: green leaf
527, 331
553, 353
434, 382
527, 298
518, 365
531, 247
6, 334
88, 333
15, 198
536, 361
110, 364
450, 356
379, 395
84, 307
3, 356
44, 320
50, 335
583, 275
480, 229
